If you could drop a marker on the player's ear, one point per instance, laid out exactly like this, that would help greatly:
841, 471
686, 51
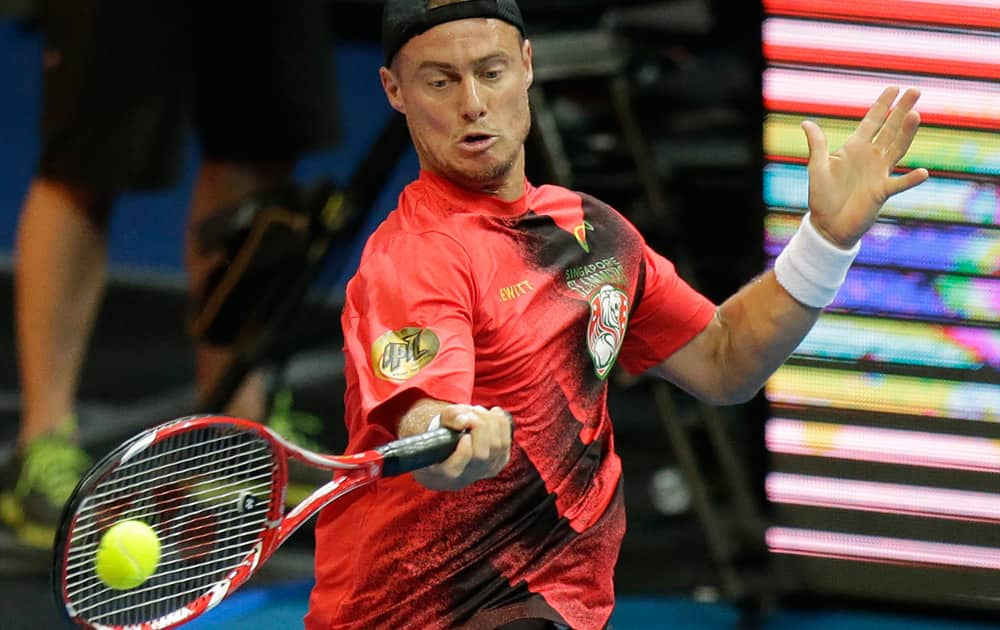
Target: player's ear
529, 72
391, 85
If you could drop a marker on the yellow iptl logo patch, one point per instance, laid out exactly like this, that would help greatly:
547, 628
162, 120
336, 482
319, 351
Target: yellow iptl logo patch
399, 354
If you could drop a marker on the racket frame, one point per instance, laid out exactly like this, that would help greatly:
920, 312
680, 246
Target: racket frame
350, 473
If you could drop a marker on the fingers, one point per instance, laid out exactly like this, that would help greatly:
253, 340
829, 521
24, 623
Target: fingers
900, 125
491, 440
457, 462
915, 177
510, 418
818, 149
847, 188
890, 128
896, 137
485, 448
870, 125
904, 138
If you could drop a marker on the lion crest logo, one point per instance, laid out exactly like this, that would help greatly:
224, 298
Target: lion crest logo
609, 309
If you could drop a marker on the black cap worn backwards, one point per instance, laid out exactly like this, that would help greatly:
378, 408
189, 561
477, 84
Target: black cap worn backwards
405, 19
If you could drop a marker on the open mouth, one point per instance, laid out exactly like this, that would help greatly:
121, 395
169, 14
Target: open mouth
477, 141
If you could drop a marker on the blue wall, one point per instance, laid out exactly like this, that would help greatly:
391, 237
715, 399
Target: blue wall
146, 232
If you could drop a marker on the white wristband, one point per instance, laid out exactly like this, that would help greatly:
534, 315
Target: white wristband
812, 268
435, 423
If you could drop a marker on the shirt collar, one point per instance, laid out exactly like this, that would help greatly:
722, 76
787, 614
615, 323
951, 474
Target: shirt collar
475, 201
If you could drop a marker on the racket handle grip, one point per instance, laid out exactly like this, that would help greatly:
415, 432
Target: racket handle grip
418, 451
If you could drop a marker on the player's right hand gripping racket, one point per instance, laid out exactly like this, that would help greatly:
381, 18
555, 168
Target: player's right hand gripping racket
212, 488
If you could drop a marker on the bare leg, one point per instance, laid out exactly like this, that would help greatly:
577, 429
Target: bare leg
220, 184
60, 278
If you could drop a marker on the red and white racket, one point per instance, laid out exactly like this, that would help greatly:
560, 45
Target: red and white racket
213, 490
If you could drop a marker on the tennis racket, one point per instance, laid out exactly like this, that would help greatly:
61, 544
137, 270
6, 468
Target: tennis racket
213, 490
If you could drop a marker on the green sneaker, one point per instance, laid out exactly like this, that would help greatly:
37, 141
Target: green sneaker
39, 480
304, 430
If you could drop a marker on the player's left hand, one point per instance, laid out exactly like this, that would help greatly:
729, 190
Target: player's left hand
848, 188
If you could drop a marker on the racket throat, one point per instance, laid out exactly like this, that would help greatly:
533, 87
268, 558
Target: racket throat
323, 496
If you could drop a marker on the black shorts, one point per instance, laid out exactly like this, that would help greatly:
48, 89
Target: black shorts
125, 80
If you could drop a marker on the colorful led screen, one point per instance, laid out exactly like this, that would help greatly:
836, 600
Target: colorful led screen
884, 436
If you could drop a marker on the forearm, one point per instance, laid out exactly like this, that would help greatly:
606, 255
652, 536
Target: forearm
756, 329
761, 326
418, 417
767, 319
752, 334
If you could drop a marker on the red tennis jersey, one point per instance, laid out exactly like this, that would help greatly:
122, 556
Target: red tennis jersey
527, 305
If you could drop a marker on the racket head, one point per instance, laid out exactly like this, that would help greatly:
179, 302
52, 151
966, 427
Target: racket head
212, 488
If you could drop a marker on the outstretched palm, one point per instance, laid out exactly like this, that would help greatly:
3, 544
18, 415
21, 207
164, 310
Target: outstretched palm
847, 189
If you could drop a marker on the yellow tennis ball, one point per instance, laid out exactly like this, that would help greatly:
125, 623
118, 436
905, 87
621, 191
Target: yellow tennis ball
127, 555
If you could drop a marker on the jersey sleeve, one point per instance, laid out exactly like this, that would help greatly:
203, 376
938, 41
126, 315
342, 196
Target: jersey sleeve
670, 314
408, 328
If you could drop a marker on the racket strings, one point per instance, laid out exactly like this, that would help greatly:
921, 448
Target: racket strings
168, 498
150, 479
83, 572
207, 494
98, 599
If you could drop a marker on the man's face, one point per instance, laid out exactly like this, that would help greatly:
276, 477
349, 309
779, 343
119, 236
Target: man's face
463, 87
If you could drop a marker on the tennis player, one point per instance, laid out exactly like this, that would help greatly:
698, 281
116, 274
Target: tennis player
483, 297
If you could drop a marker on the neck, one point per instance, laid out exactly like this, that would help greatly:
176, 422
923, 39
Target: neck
507, 185
510, 190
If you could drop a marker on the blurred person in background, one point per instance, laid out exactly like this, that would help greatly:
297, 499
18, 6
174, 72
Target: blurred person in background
124, 83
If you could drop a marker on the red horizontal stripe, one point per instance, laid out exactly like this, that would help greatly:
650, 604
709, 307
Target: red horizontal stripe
882, 61
820, 108
896, 10
899, 170
786, 159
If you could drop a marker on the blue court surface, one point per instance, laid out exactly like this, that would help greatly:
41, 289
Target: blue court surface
283, 606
